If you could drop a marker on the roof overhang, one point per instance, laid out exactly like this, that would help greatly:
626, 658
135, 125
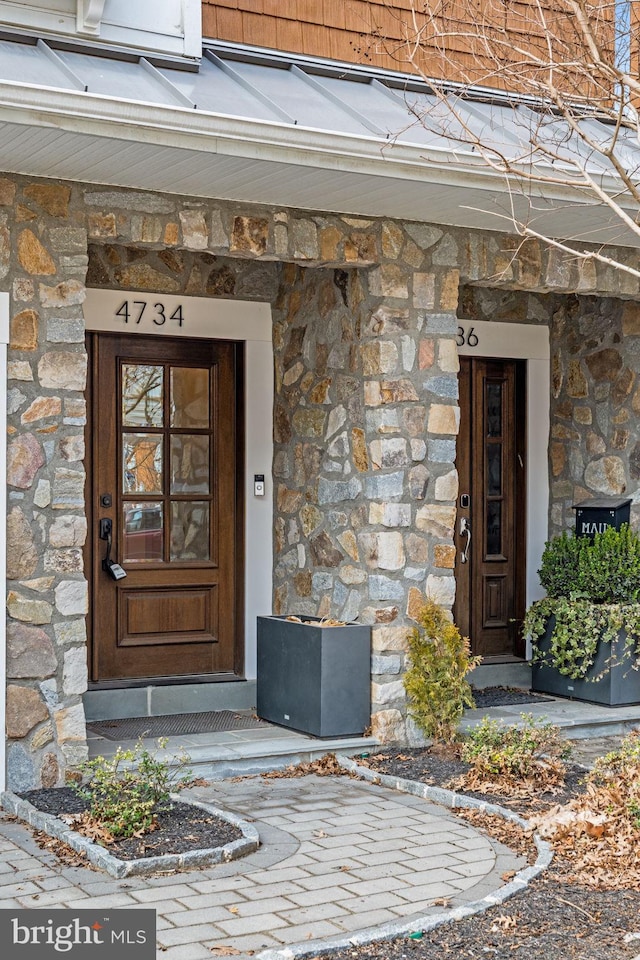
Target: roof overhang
78, 135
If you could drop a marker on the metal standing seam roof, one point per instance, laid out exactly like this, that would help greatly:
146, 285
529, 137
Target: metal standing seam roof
392, 116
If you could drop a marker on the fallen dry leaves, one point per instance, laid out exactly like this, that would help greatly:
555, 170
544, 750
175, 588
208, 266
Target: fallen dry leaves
326, 766
508, 833
598, 833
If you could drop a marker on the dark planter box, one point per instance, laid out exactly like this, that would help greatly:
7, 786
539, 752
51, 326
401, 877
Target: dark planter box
611, 680
314, 679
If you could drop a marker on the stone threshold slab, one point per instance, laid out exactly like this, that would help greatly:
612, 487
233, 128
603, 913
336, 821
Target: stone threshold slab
99, 857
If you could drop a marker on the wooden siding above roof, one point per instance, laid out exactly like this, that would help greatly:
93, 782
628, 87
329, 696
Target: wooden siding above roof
374, 32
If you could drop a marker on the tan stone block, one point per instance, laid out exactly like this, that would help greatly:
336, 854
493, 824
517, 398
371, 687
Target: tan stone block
397, 391
389, 280
392, 240
40, 584
379, 357
415, 603
171, 234
68, 293
62, 370
631, 319
436, 520
352, 575
449, 290
19, 370
195, 235
22, 555
7, 192
424, 290
582, 415
140, 276
28, 611
372, 393
25, 709
413, 254
24, 459
53, 198
446, 487
389, 638
329, 238
349, 544
558, 456
577, 386
70, 723
441, 589
444, 555
448, 359
102, 225
359, 450
24, 214
147, 229
606, 475
250, 235
24, 331
320, 392
388, 726
41, 408
310, 518
33, 257
289, 501
443, 419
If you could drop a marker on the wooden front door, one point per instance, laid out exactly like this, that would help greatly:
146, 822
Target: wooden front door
165, 490
490, 524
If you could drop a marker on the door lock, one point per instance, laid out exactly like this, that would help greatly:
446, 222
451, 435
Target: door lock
114, 569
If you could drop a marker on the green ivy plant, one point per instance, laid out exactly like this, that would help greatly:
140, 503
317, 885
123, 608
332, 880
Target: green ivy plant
436, 685
593, 593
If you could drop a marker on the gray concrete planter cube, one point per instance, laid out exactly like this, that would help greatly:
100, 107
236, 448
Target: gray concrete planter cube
314, 678
613, 679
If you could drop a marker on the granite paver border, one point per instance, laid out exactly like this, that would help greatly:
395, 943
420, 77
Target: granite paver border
396, 928
99, 857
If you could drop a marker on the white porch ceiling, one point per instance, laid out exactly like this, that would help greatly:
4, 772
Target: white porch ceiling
273, 133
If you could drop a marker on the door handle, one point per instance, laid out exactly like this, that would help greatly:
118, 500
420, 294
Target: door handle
465, 528
114, 569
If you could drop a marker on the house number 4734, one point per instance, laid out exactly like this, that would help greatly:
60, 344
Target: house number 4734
467, 338
133, 311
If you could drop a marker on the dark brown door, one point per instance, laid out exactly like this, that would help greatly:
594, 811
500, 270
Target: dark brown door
166, 480
490, 524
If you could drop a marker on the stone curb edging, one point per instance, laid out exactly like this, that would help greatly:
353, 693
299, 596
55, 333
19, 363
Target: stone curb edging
396, 928
100, 857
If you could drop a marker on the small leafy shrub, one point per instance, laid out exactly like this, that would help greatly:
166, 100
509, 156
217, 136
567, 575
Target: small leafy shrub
560, 561
125, 791
532, 749
439, 659
593, 592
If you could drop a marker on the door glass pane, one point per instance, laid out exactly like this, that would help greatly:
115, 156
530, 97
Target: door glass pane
189, 530
142, 389
494, 469
142, 463
494, 528
189, 463
143, 531
494, 409
189, 397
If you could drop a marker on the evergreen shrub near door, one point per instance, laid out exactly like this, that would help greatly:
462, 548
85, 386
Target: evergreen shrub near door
586, 631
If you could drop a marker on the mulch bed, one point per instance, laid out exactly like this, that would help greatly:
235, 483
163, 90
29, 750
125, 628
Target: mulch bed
551, 918
180, 829
440, 771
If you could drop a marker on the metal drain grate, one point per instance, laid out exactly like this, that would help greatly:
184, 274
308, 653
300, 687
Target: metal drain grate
172, 725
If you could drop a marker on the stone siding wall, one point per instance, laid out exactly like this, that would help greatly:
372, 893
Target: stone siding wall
595, 432
365, 421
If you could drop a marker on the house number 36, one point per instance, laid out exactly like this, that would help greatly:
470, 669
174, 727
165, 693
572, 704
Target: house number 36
467, 337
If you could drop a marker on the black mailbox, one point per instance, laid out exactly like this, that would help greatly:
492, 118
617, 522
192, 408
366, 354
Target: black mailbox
594, 516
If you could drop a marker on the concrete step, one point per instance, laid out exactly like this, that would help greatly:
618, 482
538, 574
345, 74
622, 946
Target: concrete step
577, 720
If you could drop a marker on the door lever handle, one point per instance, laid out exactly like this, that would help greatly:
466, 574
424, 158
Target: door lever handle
465, 528
114, 569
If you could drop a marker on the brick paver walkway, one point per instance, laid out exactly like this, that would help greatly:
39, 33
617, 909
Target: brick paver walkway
338, 856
